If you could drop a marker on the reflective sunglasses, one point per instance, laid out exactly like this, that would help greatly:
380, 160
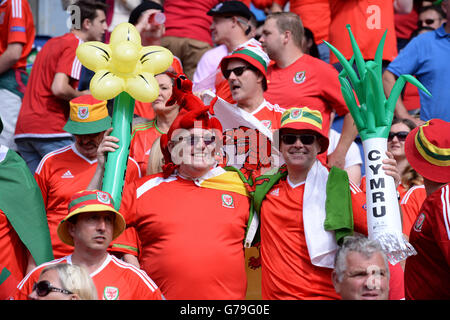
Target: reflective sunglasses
290, 138
401, 135
238, 71
427, 22
43, 288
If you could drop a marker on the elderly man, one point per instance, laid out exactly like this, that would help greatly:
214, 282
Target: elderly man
427, 273
305, 211
67, 170
297, 79
361, 270
89, 227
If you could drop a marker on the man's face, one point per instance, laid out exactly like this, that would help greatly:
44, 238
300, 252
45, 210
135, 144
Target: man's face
194, 150
93, 230
430, 18
271, 39
299, 156
87, 144
244, 86
220, 28
365, 278
97, 27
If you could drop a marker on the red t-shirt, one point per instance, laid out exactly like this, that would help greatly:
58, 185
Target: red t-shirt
368, 19
308, 82
191, 236
114, 280
17, 26
410, 205
427, 274
43, 115
61, 174
287, 271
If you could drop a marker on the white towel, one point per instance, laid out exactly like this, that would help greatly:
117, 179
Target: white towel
321, 244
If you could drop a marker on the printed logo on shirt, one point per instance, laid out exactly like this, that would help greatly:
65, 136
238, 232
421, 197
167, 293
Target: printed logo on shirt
110, 293
300, 77
267, 123
275, 192
83, 113
67, 175
227, 201
103, 197
419, 222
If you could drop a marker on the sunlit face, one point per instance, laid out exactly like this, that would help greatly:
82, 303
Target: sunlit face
93, 230
365, 278
271, 38
87, 144
194, 150
396, 146
52, 277
220, 28
165, 92
244, 86
97, 27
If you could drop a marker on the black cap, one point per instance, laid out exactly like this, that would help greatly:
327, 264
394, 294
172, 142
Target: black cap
144, 6
234, 8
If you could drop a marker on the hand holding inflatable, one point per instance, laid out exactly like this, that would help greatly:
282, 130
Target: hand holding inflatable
124, 70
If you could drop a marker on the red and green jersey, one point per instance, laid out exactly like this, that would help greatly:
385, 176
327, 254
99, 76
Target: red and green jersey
16, 26
427, 274
142, 139
43, 115
287, 271
60, 174
191, 234
114, 280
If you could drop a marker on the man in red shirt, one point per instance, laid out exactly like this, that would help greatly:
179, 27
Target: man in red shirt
53, 82
427, 274
90, 226
298, 80
16, 40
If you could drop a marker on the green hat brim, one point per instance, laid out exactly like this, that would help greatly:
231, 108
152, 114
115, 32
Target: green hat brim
74, 127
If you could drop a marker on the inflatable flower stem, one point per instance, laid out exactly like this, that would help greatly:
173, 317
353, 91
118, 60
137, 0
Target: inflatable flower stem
373, 115
124, 71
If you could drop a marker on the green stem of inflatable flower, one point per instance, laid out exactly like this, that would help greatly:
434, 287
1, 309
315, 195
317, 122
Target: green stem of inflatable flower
116, 163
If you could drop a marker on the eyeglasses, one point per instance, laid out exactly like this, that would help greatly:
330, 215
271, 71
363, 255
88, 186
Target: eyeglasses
427, 22
238, 71
291, 138
43, 288
401, 135
194, 140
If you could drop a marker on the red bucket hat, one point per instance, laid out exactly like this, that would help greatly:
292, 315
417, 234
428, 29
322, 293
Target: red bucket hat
427, 149
192, 114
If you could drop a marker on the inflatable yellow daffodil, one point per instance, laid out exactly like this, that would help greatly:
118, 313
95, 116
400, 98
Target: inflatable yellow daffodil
124, 65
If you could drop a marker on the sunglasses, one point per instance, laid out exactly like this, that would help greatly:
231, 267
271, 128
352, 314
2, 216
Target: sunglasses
401, 135
43, 288
427, 22
291, 138
194, 140
238, 71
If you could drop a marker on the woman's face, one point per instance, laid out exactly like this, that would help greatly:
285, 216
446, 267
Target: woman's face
396, 141
53, 286
165, 91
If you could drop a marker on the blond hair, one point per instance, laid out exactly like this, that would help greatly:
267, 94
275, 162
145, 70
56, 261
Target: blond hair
156, 158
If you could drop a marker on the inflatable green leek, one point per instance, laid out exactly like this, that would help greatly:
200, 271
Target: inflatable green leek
373, 115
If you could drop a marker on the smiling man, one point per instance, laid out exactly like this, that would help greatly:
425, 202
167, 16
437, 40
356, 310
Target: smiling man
90, 226
65, 171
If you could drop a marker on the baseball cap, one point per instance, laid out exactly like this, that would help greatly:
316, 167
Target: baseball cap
234, 8
427, 150
253, 55
144, 6
87, 115
305, 119
90, 201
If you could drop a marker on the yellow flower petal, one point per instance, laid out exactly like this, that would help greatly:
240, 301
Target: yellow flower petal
105, 85
143, 87
155, 59
125, 32
94, 55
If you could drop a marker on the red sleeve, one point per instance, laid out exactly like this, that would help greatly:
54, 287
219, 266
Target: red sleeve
396, 282
441, 222
127, 242
68, 62
39, 177
359, 209
17, 23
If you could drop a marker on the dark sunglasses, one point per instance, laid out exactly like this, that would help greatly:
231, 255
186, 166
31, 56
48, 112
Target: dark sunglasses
43, 288
427, 22
401, 135
290, 138
194, 140
238, 71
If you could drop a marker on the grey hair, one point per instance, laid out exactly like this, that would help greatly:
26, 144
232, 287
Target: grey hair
358, 244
